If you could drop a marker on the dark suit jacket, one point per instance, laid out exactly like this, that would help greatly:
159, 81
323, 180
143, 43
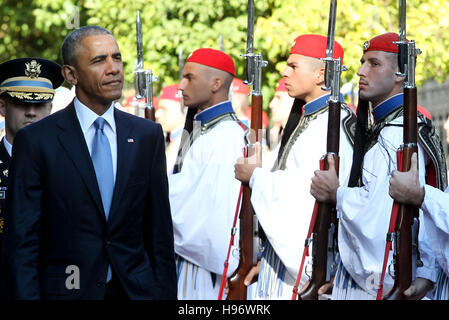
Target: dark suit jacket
55, 218
4, 168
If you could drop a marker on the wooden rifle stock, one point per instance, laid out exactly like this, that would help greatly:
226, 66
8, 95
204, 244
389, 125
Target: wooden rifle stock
150, 114
326, 213
403, 262
237, 288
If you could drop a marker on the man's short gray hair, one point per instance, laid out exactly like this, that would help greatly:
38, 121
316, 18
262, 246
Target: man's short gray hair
71, 42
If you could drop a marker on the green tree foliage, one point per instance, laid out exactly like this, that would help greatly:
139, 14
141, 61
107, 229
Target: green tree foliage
172, 26
37, 28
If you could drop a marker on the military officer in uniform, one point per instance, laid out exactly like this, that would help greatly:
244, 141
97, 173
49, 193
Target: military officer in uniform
27, 87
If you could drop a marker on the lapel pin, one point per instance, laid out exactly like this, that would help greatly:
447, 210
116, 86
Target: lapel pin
130, 140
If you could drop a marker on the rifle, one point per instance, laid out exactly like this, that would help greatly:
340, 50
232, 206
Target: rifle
249, 240
220, 42
143, 79
400, 231
180, 63
324, 218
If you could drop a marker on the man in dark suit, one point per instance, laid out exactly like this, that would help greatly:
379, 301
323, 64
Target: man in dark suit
88, 215
27, 88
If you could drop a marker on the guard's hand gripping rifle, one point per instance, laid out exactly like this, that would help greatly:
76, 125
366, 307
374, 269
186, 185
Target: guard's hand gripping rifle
324, 219
143, 79
249, 239
400, 231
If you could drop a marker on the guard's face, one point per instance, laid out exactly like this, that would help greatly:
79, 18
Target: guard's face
99, 70
377, 76
280, 106
195, 85
168, 113
299, 76
20, 114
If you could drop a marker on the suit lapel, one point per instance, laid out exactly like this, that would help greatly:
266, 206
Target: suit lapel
124, 153
73, 142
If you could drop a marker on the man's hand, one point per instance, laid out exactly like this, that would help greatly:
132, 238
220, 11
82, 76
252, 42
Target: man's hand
327, 287
250, 278
418, 289
325, 183
252, 275
405, 187
244, 167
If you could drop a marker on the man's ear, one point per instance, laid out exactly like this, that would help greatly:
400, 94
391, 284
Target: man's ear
320, 75
2, 107
217, 83
397, 78
69, 74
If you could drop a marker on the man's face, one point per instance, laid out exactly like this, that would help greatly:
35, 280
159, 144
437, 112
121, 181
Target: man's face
168, 114
299, 76
377, 76
195, 85
280, 106
20, 114
240, 102
98, 70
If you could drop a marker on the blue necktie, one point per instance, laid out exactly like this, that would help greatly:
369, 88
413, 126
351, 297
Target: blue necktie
102, 160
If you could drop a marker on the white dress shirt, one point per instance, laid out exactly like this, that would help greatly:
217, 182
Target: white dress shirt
8, 146
87, 117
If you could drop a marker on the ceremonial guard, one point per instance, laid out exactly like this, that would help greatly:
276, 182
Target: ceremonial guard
364, 205
280, 107
281, 197
203, 190
239, 94
170, 114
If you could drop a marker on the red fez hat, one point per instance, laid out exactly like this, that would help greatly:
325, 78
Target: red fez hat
313, 45
424, 112
213, 58
170, 93
383, 42
281, 86
238, 86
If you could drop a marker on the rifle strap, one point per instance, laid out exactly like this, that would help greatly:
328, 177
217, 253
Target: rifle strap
307, 243
233, 231
391, 227
435, 176
231, 243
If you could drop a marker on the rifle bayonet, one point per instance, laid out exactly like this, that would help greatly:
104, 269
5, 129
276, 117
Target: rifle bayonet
407, 50
249, 55
328, 75
333, 66
139, 70
143, 80
221, 44
180, 63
